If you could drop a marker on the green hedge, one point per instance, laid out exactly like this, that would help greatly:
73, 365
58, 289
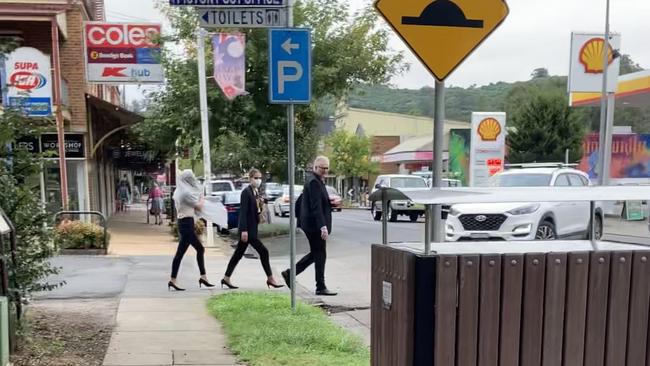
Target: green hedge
79, 235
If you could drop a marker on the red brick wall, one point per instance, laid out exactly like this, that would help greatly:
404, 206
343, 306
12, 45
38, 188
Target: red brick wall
72, 68
380, 145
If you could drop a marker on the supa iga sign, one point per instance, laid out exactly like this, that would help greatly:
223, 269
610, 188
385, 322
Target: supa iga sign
29, 82
123, 53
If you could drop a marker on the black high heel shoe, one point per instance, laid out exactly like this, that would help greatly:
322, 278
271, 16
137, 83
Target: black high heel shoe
270, 284
227, 284
205, 283
171, 285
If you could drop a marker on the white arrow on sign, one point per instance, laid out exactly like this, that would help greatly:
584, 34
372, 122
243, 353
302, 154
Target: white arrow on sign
288, 46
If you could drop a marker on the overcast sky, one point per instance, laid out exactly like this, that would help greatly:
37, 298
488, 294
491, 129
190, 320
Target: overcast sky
536, 34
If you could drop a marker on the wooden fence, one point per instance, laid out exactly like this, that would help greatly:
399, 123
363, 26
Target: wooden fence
535, 309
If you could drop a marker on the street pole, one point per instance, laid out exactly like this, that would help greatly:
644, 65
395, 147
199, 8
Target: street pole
603, 157
60, 128
438, 137
205, 130
292, 178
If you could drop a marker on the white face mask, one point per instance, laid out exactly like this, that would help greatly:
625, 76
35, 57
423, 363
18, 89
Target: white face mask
256, 183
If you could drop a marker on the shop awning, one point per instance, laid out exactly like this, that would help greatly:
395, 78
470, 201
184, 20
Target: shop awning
123, 116
633, 91
417, 149
108, 119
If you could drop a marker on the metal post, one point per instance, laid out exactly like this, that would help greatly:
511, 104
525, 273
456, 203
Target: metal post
205, 129
607, 161
384, 217
603, 173
438, 137
292, 178
427, 229
60, 128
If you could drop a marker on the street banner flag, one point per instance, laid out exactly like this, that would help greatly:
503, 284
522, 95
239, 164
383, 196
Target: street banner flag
230, 63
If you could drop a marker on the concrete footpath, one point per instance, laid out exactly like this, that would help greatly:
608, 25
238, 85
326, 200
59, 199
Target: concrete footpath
155, 326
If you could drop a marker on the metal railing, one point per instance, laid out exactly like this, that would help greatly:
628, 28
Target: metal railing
104, 222
149, 204
4, 273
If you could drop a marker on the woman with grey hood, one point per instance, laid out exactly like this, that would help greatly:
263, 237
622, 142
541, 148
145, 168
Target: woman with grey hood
189, 199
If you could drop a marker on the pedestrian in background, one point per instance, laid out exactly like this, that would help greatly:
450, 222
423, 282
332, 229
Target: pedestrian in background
123, 193
315, 219
249, 218
157, 203
189, 199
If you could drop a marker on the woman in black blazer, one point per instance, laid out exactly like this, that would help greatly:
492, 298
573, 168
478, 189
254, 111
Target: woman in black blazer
249, 218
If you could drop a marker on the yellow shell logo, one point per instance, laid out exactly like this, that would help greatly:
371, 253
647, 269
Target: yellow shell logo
94, 55
489, 129
591, 55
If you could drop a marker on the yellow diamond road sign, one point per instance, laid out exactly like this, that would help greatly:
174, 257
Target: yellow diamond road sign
442, 33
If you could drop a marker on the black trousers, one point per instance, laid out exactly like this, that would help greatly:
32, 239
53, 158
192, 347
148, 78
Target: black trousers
188, 237
317, 255
241, 249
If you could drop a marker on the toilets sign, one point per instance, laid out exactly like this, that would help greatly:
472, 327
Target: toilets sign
443, 33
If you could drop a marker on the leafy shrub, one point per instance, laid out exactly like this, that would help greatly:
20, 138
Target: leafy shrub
79, 235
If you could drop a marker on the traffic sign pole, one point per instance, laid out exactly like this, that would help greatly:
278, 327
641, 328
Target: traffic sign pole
438, 133
292, 178
205, 129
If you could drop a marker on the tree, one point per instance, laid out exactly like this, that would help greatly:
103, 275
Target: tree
349, 156
543, 129
20, 200
628, 66
347, 50
539, 73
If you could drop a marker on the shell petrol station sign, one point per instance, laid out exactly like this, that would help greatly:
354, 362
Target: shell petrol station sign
488, 147
586, 72
443, 33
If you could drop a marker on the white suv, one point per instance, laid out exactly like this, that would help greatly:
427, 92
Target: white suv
526, 221
404, 183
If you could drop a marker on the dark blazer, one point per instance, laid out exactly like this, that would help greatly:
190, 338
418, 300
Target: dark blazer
248, 217
316, 210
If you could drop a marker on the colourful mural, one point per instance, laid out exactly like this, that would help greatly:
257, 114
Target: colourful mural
630, 156
459, 147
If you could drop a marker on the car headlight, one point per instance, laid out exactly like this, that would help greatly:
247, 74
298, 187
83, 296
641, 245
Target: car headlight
525, 210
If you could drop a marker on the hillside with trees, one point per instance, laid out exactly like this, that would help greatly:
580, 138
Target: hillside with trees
460, 102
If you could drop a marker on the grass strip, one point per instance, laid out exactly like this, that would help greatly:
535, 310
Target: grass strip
263, 331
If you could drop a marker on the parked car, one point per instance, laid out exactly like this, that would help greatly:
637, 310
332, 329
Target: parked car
281, 205
526, 221
447, 182
219, 187
232, 202
335, 199
273, 191
404, 183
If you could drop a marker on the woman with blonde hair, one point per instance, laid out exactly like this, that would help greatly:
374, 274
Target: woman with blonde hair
249, 219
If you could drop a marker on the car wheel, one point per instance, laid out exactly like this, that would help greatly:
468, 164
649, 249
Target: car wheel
414, 217
340, 209
376, 215
392, 215
546, 231
275, 211
284, 214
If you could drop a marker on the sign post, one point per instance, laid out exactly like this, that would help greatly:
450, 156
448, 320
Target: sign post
456, 28
205, 129
290, 83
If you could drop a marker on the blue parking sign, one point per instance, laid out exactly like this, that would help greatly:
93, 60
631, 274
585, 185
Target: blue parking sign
290, 66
